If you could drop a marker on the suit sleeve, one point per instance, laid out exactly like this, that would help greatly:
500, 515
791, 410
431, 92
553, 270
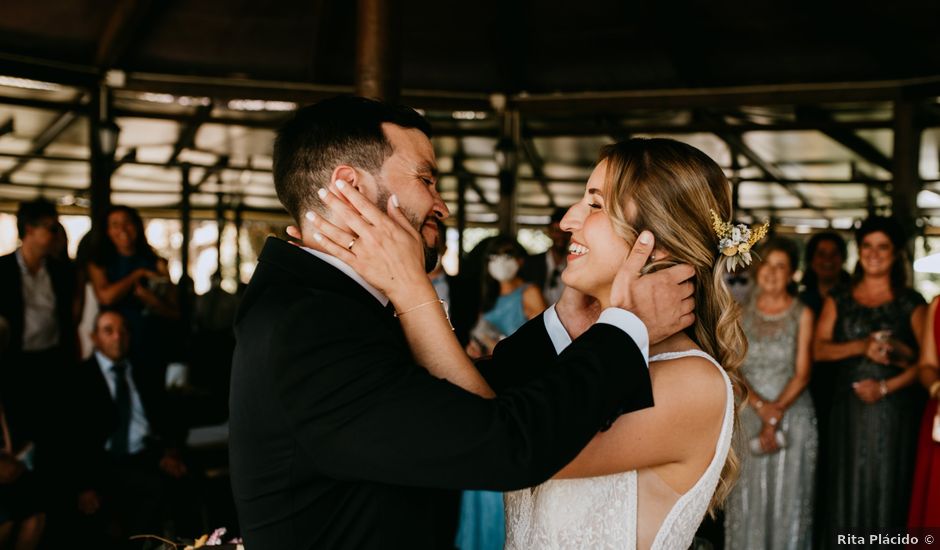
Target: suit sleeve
361, 409
522, 357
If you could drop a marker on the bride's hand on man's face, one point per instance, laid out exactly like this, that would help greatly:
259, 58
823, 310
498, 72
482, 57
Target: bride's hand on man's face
382, 247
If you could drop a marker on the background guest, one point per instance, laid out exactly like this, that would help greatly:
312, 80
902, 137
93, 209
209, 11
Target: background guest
873, 328
771, 505
22, 519
129, 277
507, 301
825, 258
545, 269
37, 300
129, 450
925, 500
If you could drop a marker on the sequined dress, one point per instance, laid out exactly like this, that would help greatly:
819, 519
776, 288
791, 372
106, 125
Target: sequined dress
872, 446
771, 506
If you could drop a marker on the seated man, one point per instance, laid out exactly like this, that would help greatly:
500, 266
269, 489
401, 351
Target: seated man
128, 452
21, 517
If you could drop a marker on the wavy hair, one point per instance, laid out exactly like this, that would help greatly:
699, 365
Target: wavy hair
674, 186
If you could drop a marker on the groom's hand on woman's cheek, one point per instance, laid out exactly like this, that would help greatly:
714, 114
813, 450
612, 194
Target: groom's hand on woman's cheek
662, 300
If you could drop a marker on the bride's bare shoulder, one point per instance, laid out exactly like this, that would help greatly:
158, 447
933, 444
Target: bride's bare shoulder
691, 383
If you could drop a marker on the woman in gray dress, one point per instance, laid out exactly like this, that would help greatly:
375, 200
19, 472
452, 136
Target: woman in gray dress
873, 329
771, 506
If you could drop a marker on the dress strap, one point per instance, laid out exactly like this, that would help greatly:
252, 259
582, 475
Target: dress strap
669, 355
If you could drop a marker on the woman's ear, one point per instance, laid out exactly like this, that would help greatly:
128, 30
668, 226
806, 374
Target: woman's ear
659, 255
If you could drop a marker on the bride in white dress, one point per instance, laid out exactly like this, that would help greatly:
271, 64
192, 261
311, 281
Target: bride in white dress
649, 480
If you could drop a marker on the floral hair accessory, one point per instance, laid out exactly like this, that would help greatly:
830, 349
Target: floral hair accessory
737, 240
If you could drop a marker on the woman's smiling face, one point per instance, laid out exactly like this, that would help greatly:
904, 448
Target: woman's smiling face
596, 251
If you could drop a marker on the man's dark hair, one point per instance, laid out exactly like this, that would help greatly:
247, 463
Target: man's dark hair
32, 212
320, 137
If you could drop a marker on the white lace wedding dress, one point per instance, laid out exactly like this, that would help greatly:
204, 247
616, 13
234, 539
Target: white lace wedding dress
602, 512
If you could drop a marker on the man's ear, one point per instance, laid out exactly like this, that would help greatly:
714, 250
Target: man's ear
348, 174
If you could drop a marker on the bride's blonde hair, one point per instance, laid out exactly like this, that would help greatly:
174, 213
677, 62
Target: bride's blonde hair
674, 186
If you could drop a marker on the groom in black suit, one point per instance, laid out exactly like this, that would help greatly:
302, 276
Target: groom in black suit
338, 439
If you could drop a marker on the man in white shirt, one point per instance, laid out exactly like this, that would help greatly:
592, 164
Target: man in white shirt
36, 300
128, 449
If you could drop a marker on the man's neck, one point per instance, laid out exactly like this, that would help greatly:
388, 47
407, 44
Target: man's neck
32, 258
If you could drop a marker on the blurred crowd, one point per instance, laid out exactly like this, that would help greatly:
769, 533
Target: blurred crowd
840, 429
93, 444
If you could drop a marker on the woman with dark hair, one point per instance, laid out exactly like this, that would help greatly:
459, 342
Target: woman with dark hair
129, 277
507, 301
772, 504
825, 257
873, 329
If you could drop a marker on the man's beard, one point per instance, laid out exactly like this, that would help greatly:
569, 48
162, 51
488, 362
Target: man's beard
430, 251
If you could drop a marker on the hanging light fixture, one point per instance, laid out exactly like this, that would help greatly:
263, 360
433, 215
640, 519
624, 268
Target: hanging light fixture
108, 133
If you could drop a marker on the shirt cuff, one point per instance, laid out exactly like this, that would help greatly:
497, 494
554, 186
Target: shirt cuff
556, 331
629, 323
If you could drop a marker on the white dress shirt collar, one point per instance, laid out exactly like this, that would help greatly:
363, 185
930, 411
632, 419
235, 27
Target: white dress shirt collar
351, 273
105, 363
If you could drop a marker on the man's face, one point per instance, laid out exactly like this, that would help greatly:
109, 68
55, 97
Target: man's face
411, 174
110, 336
42, 235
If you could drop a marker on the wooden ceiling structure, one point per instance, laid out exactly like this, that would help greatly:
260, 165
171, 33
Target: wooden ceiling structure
820, 113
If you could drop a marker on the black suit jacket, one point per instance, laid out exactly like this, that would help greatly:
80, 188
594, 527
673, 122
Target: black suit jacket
339, 440
96, 418
12, 307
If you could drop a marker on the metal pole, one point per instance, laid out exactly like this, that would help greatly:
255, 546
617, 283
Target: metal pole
100, 114
239, 210
186, 281
907, 182
507, 158
462, 184
378, 49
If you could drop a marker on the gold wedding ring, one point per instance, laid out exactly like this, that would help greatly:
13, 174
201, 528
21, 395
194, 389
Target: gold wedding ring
350, 245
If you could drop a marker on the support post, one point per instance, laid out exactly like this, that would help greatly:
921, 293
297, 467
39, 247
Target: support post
906, 184
507, 158
378, 49
462, 184
101, 122
186, 281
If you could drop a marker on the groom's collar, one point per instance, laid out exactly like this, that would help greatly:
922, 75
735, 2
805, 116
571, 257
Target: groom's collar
349, 272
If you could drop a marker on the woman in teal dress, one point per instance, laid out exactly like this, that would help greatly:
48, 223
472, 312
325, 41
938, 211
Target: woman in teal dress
508, 302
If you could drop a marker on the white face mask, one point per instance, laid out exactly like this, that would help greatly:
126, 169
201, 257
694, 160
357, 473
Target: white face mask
503, 267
